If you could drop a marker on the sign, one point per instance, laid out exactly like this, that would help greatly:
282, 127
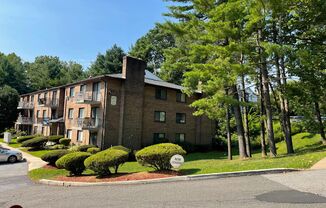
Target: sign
176, 161
7, 137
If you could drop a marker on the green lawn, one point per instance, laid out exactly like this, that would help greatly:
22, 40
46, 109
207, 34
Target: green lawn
308, 150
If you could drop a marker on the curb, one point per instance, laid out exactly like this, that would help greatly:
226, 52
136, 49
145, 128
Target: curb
171, 179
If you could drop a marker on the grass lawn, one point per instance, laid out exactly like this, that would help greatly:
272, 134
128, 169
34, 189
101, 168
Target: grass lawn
13, 143
307, 146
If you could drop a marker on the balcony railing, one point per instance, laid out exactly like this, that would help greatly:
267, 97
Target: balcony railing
43, 121
25, 105
24, 120
88, 97
89, 123
53, 103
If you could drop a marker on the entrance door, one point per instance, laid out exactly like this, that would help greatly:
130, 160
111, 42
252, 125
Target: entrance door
93, 138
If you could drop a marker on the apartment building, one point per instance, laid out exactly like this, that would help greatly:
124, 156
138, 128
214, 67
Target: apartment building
134, 109
41, 112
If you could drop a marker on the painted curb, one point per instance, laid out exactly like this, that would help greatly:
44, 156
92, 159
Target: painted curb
171, 179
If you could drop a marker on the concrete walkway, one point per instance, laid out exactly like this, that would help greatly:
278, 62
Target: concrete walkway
33, 162
319, 165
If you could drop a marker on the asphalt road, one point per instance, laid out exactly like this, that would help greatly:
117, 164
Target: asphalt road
251, 191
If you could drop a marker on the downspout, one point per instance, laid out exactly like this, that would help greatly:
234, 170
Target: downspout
104, 114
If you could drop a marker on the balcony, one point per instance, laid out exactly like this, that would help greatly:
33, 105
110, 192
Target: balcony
43, 121
42, 102
88, 98
24, 120
25, 105
89, 123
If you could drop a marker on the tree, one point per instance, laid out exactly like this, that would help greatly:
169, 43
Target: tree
9, 98
151, 47
71, 72
109, 63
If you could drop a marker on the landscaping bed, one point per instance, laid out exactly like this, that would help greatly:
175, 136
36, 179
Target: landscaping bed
119, 177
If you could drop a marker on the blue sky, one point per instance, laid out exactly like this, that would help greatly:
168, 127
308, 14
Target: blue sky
74, 29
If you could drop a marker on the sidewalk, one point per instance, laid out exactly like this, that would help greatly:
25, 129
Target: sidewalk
319, 165
33, 162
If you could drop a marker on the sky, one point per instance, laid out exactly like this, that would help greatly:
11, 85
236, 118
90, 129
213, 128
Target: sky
74, 30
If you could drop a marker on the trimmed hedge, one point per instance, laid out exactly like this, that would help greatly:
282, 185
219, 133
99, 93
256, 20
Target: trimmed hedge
37, 142
102, 161
93, 150
24, 138
55, 138
53, 156
65, 141
57, 146
73, 162
158, 156
119, 147
83, 148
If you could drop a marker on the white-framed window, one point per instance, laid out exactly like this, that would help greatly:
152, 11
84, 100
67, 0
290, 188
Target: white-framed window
181, 97
72, 92
70, 113
181, 118
180, 137
159, 116
79, 136
81, 112
69, 133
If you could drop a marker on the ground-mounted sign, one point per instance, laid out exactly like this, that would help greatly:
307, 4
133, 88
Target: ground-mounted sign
7, 137
176, 161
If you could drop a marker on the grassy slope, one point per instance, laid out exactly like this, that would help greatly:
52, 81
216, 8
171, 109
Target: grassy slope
307, 146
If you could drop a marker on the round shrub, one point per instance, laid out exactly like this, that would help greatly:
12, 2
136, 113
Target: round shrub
73, 162
158, 156
37, 142
53, 156
73, 149
93, 150
83, 148
102, 161
24, 138
119, 147
55, 138
65, 141
57, 146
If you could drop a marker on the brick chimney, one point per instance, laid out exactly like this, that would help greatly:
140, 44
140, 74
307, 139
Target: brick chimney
131, 110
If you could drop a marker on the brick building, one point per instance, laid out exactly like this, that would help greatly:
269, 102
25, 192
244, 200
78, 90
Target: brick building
133, 109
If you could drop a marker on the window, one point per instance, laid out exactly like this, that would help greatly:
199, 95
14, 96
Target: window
159, 116
71, 113
32, 98
82, 88
96, 91
180, 137
44, 113
160, 93
42, 130
181, 97
79, 136
159, 138
37, 114
181, 118
69, 134
72, 92
81, 113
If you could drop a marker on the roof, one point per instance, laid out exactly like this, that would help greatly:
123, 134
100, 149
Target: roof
150, 78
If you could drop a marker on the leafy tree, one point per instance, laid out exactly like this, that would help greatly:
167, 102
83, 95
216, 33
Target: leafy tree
109, 63
151, 46
9, 98
71, 72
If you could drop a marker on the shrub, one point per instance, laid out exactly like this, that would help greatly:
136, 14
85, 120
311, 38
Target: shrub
121, 148
24, 138
73, 162
158, 156
102, 161
65, 141
53, 156
57, 146
83, 148
296, 127
55, 138
37, 142
93, 150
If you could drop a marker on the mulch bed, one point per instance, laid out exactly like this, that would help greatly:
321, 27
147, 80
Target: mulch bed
119, 177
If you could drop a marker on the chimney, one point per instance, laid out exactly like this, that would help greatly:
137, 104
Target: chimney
133, 68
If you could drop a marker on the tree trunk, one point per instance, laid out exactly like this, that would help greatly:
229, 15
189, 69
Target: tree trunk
239, 124
228, 133
285, 108
320, 122
266, 97
262, 118
245, 117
